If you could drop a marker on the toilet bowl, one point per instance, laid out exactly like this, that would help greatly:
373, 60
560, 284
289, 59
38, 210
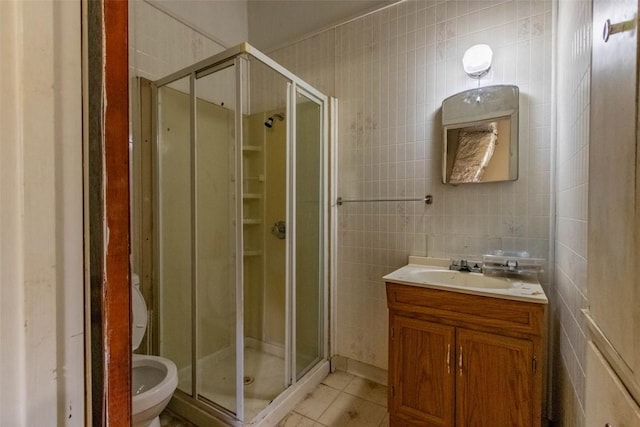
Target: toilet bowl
154, 378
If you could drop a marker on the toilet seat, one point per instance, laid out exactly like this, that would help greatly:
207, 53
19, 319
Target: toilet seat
139, 308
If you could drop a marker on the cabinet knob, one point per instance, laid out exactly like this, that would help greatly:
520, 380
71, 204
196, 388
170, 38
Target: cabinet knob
608, 425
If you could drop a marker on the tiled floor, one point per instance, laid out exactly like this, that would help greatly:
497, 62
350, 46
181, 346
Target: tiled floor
169, 419
340, 400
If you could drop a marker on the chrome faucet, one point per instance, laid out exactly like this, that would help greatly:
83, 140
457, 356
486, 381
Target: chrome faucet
464, 266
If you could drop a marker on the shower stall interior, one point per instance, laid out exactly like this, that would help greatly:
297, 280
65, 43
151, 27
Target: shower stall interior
239, 231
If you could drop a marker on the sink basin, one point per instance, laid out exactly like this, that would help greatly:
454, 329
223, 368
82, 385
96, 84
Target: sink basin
433, 273
456, 278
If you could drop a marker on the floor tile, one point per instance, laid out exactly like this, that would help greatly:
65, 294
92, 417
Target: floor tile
368, 390
296, 420
349, 410
385, 421
338, 380
315, 403
169, 419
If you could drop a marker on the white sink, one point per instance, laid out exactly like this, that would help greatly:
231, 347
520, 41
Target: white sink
433, 273
457, 278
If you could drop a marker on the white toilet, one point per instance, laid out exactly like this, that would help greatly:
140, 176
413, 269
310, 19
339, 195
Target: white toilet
154, 378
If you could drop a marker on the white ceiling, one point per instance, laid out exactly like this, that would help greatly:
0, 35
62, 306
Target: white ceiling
274, 23
266, 24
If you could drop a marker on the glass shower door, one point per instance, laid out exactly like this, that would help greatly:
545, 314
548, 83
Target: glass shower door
215, 232
309, 234
265, 236
173, 228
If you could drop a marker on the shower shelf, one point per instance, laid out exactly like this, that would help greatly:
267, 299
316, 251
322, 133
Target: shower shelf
249, 253
251, 196
251, 148
251, 221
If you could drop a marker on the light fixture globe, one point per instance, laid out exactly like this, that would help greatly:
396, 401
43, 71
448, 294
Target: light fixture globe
477, 60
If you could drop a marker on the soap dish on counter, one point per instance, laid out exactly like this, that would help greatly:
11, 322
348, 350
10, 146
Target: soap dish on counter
502, 262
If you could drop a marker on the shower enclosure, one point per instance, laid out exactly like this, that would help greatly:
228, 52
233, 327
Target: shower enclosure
240, 233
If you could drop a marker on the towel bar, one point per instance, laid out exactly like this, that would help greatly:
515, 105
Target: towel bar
428, 199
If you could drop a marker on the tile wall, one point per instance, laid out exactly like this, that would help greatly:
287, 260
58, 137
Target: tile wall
572, 157
391, 70
160, 45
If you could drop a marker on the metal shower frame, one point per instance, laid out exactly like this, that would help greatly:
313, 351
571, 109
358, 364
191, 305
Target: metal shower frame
237, 56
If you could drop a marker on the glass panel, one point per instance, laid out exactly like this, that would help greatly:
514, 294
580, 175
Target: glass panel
264, 237
174, 227
309, 234
215, 237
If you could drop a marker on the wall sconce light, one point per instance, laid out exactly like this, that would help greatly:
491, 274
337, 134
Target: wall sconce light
477, 60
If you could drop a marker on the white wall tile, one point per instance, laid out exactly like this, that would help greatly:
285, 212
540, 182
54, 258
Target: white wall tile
160, 45
399, 85
574, 22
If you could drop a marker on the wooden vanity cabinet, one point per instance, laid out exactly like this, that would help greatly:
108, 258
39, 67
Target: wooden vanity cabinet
420, 372
463, 360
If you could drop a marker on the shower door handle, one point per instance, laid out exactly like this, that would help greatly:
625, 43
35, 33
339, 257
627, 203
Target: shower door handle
279, 229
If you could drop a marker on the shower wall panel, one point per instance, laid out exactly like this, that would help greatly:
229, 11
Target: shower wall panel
174, 213
275, 248
214, 232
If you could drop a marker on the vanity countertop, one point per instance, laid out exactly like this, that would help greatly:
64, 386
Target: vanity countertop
433, 273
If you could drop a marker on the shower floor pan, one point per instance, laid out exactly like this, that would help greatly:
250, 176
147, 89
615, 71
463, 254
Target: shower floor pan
263, 378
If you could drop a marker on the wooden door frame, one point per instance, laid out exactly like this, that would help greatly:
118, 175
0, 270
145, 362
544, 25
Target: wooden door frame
107, 164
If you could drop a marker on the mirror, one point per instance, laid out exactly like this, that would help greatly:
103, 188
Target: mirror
480, 135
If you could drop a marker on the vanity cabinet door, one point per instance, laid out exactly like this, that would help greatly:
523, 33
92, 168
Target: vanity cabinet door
494, 380
422, 373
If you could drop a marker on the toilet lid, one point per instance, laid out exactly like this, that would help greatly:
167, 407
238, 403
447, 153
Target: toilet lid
139, 325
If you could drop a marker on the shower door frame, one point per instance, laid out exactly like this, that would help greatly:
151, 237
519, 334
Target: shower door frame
234, 57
